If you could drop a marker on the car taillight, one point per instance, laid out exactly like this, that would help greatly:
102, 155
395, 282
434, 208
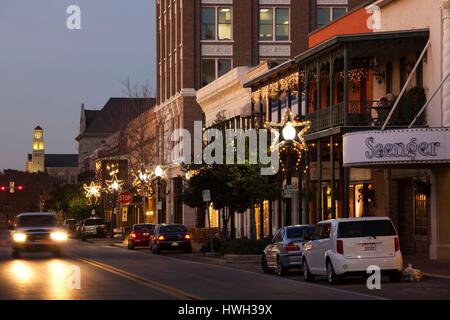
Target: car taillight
340, 247
292, 247
133, 236
187, 237
161, 238
396, 244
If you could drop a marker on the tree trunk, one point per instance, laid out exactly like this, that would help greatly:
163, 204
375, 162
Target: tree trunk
261, 220
252, 221
232, 224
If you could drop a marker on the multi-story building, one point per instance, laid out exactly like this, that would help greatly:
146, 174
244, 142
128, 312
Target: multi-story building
97, 125
199, 41
376, 98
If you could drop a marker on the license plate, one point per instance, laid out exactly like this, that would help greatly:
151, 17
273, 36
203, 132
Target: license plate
370, 247
175, 244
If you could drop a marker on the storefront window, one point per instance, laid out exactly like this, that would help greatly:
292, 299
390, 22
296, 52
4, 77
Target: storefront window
214, 217
266, 219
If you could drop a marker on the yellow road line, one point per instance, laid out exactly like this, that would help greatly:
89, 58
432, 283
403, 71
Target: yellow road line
176, 293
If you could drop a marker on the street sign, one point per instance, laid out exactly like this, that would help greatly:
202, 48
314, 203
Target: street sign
288, 191
125, 198
206, 196
124, 214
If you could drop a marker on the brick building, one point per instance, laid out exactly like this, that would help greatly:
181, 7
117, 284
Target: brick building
198, 41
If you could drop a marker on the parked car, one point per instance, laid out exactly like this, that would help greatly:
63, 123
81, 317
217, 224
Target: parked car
171, 237
93, 227
71, 227
37, 232
343, 247
285, 250
140, 235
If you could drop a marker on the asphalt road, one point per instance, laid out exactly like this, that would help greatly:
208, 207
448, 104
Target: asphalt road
113, 273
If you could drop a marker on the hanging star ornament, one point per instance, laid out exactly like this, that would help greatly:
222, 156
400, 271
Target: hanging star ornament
290, 131
114, 185
92, 192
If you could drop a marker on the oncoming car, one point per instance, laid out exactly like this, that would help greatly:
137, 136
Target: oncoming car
37, 232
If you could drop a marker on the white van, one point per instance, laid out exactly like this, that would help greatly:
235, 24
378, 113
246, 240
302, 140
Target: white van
343, 247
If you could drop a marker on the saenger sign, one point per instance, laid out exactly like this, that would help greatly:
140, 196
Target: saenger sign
407, 146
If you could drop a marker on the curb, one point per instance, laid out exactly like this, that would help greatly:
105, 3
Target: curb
436, 276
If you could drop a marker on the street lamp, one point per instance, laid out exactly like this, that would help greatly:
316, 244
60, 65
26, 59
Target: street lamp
289, 132
292, 139
159, 172
114, 186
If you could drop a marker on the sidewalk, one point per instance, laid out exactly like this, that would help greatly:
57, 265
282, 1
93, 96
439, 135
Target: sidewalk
435, 269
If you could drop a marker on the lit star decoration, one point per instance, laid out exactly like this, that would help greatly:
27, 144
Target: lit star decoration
114, 185
289, 127
92, 192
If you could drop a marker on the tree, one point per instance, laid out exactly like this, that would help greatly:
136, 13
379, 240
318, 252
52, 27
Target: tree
71, 200
140, 137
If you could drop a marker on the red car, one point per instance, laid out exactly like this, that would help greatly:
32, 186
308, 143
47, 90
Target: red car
140, 235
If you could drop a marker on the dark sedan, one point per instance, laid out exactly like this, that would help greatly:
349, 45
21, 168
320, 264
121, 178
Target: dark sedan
171, 237
140, 235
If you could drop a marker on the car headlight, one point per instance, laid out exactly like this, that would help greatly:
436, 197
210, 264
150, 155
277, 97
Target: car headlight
20, 237
58, 236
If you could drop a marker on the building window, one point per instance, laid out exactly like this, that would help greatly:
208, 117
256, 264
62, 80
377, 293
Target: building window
274, 24
225, 25
325, 15
217, 23
213, 69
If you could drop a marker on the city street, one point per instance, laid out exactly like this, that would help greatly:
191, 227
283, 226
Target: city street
114, 273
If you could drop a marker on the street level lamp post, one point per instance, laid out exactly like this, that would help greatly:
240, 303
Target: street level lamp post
155, 179
292, 140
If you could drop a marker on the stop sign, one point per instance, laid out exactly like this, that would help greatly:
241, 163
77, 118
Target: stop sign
125, 198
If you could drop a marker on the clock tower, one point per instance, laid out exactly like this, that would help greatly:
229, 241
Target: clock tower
38, 156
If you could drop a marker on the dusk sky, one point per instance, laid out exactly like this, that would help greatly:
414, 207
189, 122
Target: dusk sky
47, 71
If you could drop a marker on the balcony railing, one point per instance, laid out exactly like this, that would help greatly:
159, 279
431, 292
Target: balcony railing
369, 114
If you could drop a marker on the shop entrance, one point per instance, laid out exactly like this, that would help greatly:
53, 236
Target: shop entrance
413, 218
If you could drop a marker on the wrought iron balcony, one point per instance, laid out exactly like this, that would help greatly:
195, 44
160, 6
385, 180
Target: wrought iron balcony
370, 114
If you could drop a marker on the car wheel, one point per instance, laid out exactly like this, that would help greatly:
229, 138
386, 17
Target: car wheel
306, 272
264, 265
156, 250
332, 278
130, 246
16, 254
280, 270
395, 276
188, 250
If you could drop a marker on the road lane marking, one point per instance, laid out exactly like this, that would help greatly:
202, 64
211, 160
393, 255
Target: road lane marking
178, 294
